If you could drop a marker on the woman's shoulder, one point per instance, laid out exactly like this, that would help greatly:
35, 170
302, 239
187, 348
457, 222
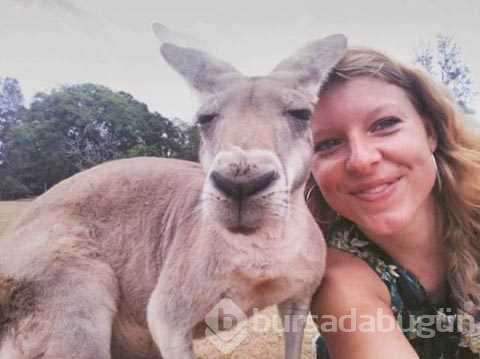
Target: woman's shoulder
349, 280
348, 306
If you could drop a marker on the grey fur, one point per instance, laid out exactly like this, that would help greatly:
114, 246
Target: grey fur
125, 260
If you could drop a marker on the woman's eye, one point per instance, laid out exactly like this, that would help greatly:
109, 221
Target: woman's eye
326, 145
385, 123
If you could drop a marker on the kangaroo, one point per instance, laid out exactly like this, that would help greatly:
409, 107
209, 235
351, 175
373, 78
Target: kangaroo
126, 259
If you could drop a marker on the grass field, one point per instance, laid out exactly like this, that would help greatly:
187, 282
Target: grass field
9, 210
267, 345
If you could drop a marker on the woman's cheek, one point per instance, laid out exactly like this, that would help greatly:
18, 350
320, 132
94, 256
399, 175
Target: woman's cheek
328, 183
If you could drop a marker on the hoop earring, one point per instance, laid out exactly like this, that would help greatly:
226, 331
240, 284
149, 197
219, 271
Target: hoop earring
309, 193
437, 173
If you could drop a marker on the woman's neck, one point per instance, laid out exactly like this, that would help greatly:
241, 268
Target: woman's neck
420, 248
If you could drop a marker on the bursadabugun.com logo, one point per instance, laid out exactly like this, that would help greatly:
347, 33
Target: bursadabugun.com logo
226, 326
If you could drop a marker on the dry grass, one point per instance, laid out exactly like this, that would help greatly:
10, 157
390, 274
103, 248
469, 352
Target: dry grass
9, 210
267, 345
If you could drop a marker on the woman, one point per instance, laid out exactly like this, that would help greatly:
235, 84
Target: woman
397, 191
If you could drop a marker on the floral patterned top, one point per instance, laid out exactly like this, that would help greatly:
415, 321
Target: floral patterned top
435, 330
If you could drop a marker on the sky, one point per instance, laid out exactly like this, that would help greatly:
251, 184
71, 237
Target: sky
48, 43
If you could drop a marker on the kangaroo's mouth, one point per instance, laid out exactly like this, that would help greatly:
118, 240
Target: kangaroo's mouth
242, 229
246, 217
249, 214
245, 221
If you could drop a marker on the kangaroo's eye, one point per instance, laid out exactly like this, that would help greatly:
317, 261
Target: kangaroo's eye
303, 114
206, 118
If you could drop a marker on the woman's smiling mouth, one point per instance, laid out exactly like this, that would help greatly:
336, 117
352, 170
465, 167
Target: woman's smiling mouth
375, 190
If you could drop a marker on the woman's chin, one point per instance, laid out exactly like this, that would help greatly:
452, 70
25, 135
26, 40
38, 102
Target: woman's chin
383, 225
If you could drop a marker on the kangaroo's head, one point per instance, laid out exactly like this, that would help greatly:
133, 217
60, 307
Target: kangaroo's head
256, 141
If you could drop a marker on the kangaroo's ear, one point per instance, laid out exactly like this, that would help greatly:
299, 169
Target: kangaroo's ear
164, 34
203, 72
161, 31
310, 65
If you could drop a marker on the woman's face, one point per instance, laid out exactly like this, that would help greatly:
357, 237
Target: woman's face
373, 156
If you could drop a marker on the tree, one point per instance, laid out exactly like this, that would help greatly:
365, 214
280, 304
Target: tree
444, 62
11, 103
76, 127
191, 142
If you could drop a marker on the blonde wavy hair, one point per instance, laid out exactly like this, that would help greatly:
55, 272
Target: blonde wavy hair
458, 161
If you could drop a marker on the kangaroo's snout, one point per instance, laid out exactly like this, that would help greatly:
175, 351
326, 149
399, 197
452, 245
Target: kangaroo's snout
239, 174
245, 188
242, 186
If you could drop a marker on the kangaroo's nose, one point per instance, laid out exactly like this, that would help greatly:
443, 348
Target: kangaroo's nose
240, 187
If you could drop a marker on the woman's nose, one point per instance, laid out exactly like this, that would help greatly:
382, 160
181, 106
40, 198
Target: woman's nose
362, 158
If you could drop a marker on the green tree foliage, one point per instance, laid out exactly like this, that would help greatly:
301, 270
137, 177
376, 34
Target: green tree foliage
11, 104
11, 108
444, 62
79, 126
191, 142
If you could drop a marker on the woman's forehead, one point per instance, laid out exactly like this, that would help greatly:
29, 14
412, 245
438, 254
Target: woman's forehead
362, 93
362, 85
360, 99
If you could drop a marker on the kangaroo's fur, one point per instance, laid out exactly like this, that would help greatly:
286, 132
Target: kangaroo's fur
125, 260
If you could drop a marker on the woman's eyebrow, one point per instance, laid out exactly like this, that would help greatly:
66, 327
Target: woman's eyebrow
387, 107
327, 130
